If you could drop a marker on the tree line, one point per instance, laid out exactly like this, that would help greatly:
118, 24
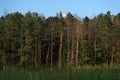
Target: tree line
31, 40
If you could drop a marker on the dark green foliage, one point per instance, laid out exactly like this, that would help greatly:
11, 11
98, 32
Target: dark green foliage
29, 40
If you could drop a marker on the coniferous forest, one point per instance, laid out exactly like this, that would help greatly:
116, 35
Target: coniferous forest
34, 41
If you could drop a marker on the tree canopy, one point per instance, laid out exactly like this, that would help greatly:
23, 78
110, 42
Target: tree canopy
31, 40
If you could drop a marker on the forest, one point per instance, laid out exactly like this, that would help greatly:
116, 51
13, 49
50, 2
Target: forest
34, 41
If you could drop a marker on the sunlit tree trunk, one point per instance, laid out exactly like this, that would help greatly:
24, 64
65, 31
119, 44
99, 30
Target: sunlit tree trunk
77, 41
48, 53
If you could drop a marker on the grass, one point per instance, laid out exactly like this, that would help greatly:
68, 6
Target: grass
83, 73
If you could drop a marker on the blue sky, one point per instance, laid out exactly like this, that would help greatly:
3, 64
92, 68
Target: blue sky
51, 7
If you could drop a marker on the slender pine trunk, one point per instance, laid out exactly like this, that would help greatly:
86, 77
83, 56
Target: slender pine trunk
60, 53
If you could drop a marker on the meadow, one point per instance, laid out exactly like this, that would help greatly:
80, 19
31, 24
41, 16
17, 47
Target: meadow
82, 73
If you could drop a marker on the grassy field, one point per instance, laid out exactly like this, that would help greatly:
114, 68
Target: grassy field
83, 73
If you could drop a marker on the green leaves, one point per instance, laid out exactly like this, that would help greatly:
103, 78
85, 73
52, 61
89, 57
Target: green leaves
30, 39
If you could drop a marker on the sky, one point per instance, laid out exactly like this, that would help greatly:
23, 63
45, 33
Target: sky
48, 8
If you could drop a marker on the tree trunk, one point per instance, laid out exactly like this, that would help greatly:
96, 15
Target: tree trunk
77, 45
77, 41
72, 49
68, 45
82, 52
95, 50
51, 64
72, 55
51, 50
60, 52
47, 56
40, 52
35, 55
21, 45
112, 54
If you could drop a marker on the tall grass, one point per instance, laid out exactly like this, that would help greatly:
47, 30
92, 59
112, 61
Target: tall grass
83, 73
